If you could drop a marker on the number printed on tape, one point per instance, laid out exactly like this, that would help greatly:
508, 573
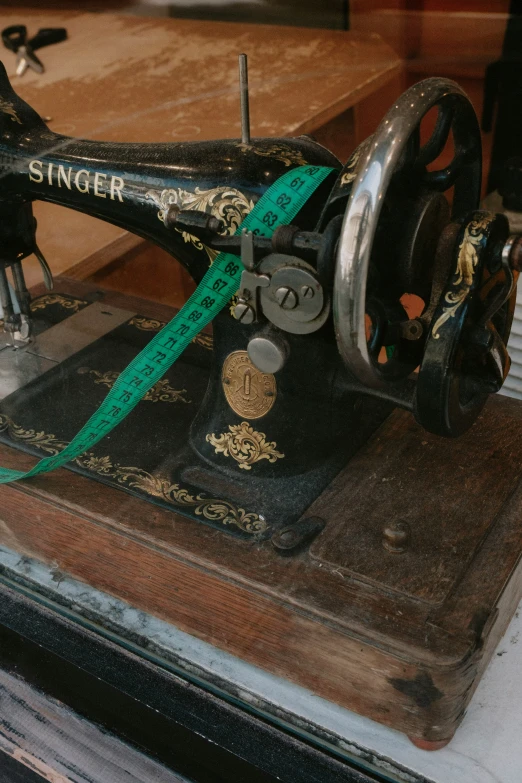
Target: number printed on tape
278, 206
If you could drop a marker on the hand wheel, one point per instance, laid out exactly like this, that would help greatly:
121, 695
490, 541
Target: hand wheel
393, 221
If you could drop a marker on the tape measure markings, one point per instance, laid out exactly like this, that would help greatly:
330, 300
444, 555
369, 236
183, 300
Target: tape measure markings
279, 205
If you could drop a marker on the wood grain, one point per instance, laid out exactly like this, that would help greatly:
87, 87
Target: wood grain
437, 32
125, 78
403, 484
371, 637
149, 271
456, 40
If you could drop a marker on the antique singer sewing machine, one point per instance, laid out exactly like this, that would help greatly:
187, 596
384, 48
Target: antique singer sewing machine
275, 431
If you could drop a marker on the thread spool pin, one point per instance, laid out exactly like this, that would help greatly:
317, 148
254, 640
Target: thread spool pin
243, 92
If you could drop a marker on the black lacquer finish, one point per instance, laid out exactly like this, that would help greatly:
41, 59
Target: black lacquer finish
244, 505
271, 464
130, 184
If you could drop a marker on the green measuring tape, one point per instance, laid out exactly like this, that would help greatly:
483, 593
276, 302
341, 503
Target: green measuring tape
278, 206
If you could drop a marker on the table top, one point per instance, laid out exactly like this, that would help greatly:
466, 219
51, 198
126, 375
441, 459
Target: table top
135, 79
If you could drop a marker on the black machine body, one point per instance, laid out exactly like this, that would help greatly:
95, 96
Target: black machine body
322, 339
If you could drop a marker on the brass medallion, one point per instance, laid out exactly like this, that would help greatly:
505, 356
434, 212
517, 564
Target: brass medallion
249, 392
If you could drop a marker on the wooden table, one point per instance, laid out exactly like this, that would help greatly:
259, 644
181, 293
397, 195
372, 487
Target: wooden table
486, 748
124, 78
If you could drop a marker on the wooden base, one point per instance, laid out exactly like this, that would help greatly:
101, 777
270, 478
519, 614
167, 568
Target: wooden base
400, 637
393, 611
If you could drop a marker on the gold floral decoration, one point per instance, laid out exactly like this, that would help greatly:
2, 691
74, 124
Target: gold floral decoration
146, 324
227, 204
162, 391
282, 152
466, 264
42, 440
49, 299
245, 445
212, 509
204, 340
350, 170
7, 107
100, 465
152, 325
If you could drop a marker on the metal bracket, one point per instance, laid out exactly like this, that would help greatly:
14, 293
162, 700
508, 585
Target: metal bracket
246, 309
293, 538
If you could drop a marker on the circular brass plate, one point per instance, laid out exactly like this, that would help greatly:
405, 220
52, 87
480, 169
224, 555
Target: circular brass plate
249, 392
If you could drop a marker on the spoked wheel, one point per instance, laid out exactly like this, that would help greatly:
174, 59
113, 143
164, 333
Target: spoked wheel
395, 217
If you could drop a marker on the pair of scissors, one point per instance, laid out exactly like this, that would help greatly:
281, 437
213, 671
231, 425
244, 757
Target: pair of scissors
15, 39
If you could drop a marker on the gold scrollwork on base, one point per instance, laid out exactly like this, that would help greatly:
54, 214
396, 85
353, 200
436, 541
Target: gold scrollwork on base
204, 340
161, 488
152, 325
245, 445
282, 152
146, 324
213, 509
162, 391
466, 264
40, 439
49, 299
227, 204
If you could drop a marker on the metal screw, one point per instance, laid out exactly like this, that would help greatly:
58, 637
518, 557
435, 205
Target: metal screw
172, 215
292, 538
286, 298
396, 537
288, 537
411, 330
244, 313
307, 292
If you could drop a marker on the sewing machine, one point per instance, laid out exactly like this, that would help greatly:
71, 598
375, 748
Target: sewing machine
272, 435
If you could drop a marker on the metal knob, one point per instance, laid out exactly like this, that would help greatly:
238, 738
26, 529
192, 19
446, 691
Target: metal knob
268, 352
396, 537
